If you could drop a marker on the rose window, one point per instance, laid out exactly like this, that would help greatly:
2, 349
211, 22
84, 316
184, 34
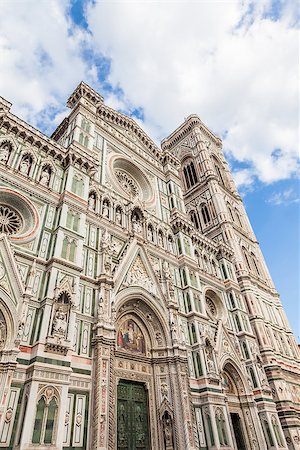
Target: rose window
211, 306
19, 218
127, 183
10, 221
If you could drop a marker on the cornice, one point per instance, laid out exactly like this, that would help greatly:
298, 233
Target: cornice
34, 138
184, 129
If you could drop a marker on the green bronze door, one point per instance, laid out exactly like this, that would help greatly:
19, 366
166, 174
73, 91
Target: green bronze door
132, 426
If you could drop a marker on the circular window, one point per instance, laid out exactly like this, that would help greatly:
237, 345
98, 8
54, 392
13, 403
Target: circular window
19, 218
10, 221
214, 306
129, 179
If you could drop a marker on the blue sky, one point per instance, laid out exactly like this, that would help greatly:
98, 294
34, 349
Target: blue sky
234, 63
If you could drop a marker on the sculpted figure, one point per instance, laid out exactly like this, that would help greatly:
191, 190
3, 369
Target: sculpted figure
60, 322
92, 202
118, 217
105, 209
25, 166
45, 177
4, 153
136, 225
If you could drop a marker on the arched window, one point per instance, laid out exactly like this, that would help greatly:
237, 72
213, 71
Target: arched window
190, 175
45, 420
245, 350
195, 219
255, 264
232, 302
253, 377
77, 184
205, 214
230, 212
197, 364
246, 257
238, 216
238, 323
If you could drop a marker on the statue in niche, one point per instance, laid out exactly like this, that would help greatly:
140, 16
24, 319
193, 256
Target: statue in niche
130, 337
136, 223
4, 153
167, 430
105, 209
209, 356
60, 322
92, 201
170, 244
150, 234
45, 177
118, 216
25, 166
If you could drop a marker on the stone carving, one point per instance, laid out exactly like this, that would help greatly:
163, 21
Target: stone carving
5, 152
3, 331
105, 209
45, 176
164, 389
10, 220
118, 216
60, 322
167, 430
136, 224
92, 201
25, 166
127, 183
138, 276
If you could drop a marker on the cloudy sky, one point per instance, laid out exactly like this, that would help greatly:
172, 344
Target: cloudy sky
234, 63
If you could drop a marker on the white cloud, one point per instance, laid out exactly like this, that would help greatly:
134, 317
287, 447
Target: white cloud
178, 58
41, 58
285, 197
228, 61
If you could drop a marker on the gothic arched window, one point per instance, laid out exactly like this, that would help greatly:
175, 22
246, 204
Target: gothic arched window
45, 420
195, 219
205, 214
190, 175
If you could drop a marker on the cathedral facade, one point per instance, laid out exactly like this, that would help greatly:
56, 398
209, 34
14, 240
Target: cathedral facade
136, 308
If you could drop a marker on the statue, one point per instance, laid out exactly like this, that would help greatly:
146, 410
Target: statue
105, 209
60, 322
4, 153
45, 177
167, 429
118, 217
92, 202
136, 225
25, 166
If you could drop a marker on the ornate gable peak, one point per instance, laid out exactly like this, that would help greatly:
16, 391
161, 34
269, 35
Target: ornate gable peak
140, 272
127, 123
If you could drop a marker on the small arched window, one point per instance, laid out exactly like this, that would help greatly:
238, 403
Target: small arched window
205, 214
190, 175
195, 219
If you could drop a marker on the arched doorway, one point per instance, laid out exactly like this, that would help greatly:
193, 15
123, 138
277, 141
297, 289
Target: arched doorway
234, 390
141, 379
